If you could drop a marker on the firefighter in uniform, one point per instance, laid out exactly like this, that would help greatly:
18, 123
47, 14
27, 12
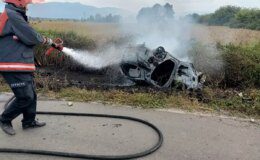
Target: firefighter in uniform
17, 40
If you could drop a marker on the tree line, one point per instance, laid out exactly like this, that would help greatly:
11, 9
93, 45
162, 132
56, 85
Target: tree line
235, 17
103, 19
97, 18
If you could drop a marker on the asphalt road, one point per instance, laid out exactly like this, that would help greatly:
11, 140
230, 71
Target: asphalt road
187, 136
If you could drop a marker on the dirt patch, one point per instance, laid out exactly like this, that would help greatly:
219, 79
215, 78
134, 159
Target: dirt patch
102, 79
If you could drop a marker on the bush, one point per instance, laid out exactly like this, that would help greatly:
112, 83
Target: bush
242, 65
228, 66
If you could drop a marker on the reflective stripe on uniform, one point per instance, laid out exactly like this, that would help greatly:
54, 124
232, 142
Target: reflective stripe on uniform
16, 67
3, 20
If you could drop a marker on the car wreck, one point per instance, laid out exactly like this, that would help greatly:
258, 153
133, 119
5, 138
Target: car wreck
159, 68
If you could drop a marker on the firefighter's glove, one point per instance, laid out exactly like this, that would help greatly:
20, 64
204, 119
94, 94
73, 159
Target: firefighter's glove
48, 41
57, 46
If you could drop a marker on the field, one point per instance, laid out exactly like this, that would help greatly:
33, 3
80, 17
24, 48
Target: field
98, 31
103, 32
239, 48
225, 35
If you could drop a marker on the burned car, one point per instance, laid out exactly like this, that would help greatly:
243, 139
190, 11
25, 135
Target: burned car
159, 68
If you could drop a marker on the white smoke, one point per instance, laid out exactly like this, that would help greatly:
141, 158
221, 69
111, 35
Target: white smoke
99, 59
156, 29
175, 35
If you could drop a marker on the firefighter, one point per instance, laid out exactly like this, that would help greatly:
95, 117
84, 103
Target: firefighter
17, 40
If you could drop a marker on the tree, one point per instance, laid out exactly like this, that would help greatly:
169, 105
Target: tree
169, 10
156, 14
247, 18
192, 17
98, 18
233, 17
224, 15
104, 19
91, 18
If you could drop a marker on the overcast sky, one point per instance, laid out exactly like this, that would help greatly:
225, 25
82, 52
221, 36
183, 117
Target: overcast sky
201, 6
180, 6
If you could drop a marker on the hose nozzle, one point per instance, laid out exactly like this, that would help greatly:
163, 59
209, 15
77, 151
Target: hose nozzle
56, 45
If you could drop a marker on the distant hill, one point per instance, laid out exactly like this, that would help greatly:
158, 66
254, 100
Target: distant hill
1, 6
70, 10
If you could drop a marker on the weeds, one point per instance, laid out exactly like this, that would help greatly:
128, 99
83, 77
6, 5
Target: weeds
242, 65
4, 87
228, 66
218, 101
215, 100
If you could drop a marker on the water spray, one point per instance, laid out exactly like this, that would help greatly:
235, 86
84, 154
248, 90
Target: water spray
109, 56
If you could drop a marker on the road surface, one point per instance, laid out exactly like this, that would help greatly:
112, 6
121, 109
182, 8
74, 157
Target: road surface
187, 136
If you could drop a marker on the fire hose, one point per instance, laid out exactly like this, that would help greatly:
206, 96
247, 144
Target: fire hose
86, 156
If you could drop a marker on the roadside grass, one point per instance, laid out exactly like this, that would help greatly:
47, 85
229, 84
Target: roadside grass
237, 102
215, 101
218, 101
145, 100
4, 88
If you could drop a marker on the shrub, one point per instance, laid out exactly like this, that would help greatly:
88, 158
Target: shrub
242, 65
228, 65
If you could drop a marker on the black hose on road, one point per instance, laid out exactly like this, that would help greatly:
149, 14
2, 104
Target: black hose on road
85, 156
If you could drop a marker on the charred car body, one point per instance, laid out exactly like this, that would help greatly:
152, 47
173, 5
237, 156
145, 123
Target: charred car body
158, 68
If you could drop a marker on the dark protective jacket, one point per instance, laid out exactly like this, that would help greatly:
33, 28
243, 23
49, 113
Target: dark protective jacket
16, 55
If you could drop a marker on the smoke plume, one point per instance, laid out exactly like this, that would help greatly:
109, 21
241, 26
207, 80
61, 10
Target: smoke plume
156, 26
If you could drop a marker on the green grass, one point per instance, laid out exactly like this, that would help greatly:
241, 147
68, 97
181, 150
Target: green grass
230, 103
215, 100
4, 87
228, 100
145, 100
